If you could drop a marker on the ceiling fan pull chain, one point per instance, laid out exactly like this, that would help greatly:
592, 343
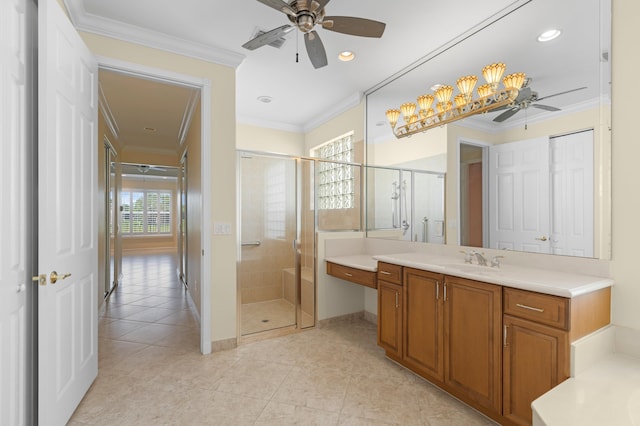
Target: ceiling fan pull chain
297, 44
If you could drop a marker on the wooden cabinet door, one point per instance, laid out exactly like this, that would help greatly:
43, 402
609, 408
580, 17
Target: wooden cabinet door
534, 359
473, 344
390, 318
423, 333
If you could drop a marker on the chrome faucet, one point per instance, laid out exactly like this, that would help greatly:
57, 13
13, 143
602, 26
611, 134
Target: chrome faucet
481, 260
467, 256
495, 261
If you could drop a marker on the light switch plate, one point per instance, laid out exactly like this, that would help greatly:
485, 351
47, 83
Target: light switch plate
221, 228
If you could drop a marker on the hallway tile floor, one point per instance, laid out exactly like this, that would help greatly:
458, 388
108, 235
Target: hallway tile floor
151, 371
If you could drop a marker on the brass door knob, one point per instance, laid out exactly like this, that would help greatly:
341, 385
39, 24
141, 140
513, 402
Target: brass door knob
543, 238
40, 279
54, 277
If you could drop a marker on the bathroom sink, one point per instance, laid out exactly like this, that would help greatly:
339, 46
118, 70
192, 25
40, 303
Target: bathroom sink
473, 269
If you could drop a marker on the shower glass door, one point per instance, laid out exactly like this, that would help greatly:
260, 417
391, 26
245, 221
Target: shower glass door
269, 243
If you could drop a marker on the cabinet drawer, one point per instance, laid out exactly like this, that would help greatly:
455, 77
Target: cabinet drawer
358, 276
390, 272
541, 308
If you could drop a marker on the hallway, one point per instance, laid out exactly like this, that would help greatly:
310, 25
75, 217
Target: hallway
151, 371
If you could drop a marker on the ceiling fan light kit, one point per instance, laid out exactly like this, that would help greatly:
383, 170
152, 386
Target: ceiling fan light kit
305, 15
489, 98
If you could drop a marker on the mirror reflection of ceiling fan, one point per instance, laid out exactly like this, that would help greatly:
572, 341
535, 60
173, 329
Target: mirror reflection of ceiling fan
528, 98
305, 15
145, 168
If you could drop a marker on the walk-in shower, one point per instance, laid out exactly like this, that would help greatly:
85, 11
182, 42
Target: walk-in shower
276, 259
405, 204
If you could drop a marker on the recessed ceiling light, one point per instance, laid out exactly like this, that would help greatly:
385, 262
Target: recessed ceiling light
150, 129
549, 35
265, 99
436, 86
346, 56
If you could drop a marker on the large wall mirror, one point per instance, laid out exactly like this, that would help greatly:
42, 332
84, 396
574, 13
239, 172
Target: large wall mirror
532, 177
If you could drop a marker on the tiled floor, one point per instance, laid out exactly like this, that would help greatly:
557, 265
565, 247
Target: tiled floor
269, 315
151, 373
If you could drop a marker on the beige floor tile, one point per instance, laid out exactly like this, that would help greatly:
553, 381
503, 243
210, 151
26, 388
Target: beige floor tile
318, 388
151, 371
280, 414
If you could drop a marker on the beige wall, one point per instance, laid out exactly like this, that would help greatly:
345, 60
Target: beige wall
222, 259
255, 138
625, 154
399, 151
351, 120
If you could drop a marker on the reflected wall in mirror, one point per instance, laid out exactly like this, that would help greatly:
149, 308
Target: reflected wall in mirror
568, 92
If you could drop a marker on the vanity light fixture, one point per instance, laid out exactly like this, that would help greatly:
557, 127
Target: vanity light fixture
346, 56
463, 105
549, 35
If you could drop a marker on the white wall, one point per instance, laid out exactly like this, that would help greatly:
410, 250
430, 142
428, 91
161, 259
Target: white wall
336, 297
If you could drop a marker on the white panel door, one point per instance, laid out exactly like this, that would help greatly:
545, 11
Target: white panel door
13, 215
572, 194
67, 222
519, 195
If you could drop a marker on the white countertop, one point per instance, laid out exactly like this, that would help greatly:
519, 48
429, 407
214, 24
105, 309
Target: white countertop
365, 262
608, 393
526, 278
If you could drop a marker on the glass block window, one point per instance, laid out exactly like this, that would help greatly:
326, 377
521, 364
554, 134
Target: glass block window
145, 212
335, 181
275, 204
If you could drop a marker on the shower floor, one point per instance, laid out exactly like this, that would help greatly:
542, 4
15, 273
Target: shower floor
277, 313
262, 316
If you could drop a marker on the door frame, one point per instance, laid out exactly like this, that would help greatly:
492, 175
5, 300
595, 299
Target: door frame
161, 75
485, 186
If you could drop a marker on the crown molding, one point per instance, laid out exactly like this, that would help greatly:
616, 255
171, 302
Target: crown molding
84, 21
340, 108
470, 123
188, 116
104, 107
276, 125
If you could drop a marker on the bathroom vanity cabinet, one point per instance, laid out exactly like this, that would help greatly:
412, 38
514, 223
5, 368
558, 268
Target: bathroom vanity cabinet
390, 305
496, 348
355, 275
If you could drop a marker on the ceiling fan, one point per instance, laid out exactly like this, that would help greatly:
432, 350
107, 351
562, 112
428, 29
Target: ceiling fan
305, 14
526, 98
145, 168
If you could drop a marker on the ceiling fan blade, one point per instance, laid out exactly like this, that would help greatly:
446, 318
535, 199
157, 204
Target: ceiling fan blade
562, 93
508, 113
545, 107
317, 5
268, 37
354, 26
279, 5
315, 49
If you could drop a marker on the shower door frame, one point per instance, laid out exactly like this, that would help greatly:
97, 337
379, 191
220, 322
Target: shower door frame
297, 251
